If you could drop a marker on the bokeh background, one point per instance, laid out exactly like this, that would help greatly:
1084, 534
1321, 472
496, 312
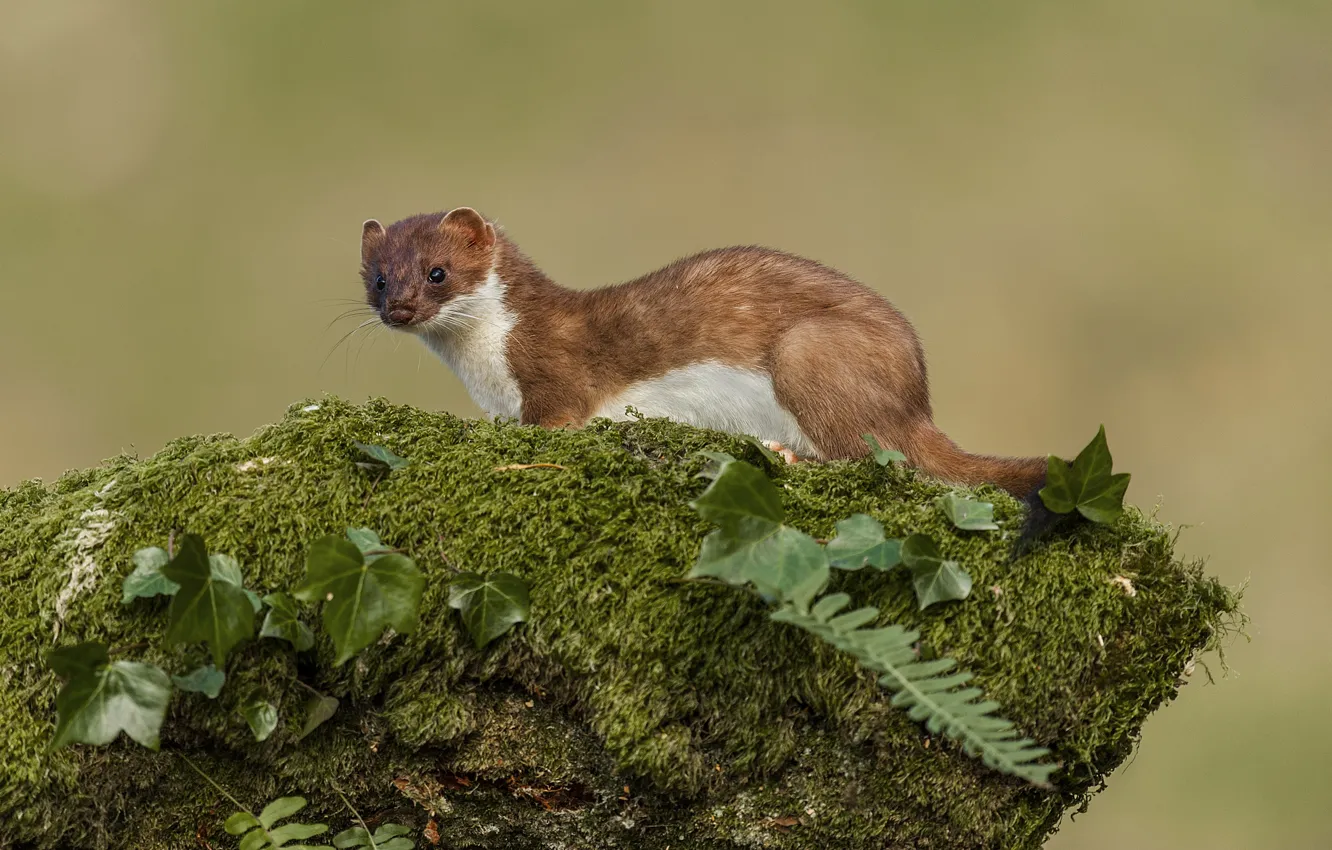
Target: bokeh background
1114, 212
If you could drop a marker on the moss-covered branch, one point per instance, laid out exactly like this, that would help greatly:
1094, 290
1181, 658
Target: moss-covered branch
726, 729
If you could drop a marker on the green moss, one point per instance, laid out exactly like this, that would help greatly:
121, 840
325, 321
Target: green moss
717, 720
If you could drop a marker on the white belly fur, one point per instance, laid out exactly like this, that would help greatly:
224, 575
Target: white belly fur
714, 395
470, 335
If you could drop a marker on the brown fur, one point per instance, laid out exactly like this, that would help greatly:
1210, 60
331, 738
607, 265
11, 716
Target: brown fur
842, 359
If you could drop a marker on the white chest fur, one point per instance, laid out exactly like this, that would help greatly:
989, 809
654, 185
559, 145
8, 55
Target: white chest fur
470, 334
714, 395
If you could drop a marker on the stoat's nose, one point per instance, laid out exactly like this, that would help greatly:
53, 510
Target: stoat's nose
400, 315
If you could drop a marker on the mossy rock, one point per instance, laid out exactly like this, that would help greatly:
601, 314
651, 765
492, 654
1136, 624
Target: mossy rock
636, 709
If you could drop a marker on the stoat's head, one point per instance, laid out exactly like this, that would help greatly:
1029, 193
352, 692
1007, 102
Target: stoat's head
417, 266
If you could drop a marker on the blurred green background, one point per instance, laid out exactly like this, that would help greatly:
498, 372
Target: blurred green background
1114, 212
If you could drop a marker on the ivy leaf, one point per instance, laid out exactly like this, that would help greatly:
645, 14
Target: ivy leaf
283, 622
206, 680
101, 699
318, 709
741, 500
1087, 485
490, 605
713, 469
860, 542
360, 597
882, 456
381, 455
935, 579
367, 541
262, 717
147, 579
226, 568
753, 545
969, 514
939, 584
769, 455
778, 564
71, 661
206, 608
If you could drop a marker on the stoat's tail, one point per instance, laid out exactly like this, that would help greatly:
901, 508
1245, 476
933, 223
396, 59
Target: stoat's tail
930, 449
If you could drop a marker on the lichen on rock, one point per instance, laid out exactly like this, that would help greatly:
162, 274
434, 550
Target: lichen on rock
635, 709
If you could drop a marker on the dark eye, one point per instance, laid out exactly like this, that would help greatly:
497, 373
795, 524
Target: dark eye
436, 275
380, 283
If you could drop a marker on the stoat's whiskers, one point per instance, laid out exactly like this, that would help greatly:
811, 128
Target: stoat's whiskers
368, 323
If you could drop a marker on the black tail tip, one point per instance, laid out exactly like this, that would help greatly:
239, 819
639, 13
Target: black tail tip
1040, 522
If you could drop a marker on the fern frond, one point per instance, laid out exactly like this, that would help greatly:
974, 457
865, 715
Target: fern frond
921, 687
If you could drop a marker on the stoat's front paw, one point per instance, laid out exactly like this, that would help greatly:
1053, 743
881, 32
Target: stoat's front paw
786, 453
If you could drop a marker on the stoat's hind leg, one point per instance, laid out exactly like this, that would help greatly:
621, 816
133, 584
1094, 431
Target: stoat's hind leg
843, 375
786, 453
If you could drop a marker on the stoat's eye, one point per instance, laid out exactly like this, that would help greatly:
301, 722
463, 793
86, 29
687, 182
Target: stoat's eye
380, 283
436, 275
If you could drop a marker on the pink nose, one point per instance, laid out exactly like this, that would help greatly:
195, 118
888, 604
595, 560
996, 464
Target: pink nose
401, 315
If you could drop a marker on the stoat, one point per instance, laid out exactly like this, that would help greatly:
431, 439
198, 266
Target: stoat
747, 340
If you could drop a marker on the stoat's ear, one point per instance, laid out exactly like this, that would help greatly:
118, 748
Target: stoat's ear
467, 225
372, 233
